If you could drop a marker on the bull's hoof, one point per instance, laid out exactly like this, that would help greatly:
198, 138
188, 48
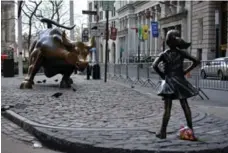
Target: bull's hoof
27, 79
26, 85
65, 84
70, 81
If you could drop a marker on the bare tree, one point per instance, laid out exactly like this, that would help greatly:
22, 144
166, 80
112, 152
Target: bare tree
35, 10
52, 9
30, 12
77, 33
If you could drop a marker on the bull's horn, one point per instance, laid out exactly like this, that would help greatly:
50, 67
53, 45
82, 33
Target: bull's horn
50, 22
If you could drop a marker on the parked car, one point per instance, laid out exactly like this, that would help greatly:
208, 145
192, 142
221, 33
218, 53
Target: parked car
134, 58
149, 59
215, 68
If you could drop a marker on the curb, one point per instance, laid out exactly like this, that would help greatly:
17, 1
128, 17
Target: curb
64, 145
50, 141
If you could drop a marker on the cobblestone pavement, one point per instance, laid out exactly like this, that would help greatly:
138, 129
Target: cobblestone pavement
14, 131
109, 115
15, 139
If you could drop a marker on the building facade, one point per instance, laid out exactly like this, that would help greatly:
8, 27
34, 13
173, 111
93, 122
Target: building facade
204, 29
101, 18
169, 15
7, 26
194, 19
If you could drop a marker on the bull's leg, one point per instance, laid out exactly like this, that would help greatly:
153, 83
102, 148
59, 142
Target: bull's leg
32, 60
66, 80
33, 69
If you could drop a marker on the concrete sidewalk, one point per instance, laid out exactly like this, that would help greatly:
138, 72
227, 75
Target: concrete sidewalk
106, 117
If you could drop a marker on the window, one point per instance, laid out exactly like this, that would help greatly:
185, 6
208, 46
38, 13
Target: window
200, 29
99, 4
114, 12
101, 15
199, 53
95, 4
90, 8
113, 24
182, 6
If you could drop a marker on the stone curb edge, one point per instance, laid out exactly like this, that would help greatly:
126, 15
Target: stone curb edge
64, 145
71, 147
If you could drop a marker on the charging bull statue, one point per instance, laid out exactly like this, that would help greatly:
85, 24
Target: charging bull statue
56, 54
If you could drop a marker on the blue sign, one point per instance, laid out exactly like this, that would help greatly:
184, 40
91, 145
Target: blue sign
93, 50
154, 29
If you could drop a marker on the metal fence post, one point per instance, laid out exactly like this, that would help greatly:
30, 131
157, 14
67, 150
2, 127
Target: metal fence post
148, 80
138, 80
127, 75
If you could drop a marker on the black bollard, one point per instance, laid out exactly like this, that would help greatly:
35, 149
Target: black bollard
96, 72
88, 72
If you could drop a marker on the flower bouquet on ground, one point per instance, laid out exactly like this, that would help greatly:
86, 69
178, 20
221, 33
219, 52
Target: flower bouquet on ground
185, 133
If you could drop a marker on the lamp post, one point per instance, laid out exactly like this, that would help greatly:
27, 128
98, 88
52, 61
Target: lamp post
19, 30
71, 3
217, 33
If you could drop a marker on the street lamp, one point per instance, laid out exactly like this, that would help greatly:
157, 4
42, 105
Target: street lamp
217, 32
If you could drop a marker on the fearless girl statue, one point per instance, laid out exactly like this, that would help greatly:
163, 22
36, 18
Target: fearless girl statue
174, 84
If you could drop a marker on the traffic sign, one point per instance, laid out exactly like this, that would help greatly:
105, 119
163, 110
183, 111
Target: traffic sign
154, 26
85, 35
89, 12
108, 5
97, 33
97, 26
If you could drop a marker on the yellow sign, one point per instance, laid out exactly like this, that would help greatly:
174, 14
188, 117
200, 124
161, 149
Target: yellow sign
223, 46
145, 32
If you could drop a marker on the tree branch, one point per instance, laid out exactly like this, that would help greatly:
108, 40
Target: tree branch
53, 9
25, 13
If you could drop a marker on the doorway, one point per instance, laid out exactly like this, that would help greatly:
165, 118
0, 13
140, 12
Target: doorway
223, 30
113, 55
101, 54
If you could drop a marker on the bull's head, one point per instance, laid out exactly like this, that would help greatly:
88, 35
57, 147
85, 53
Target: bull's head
78, 53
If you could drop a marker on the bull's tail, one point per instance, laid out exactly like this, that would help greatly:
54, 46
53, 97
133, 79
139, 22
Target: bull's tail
51, 22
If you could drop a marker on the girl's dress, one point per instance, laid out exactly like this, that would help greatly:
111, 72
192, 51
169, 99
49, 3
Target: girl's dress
175, 85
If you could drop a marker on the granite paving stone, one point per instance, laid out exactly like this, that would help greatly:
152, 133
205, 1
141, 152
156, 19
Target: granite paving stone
108, 115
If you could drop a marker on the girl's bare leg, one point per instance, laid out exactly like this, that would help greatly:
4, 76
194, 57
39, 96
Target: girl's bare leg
187, 112
166, 117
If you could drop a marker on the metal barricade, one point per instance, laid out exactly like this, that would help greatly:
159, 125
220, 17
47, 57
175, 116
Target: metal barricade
148, 80
209, 75
214, 74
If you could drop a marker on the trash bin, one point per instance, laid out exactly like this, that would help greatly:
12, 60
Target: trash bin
8, 67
